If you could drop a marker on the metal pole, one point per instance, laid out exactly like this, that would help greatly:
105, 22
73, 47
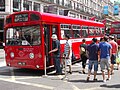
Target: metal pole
45, 67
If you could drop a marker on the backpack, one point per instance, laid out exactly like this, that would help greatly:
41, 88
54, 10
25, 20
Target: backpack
82, 50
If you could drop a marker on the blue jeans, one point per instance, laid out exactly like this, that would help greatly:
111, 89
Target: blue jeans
91, 63
57, 64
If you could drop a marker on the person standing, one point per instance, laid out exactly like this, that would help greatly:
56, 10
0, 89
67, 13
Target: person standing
56, 52
83, 54
114, 52
68, 53
93, 50
105, 54
118, 58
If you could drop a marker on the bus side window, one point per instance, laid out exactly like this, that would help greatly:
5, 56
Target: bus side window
76, 34
102, 31
62, 34
84, 31
68, 32
76, 31
91, 31
98, 31
66, 29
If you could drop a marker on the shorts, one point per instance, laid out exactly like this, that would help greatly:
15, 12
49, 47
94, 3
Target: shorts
104, 62
69, 60
91, 63
113, 59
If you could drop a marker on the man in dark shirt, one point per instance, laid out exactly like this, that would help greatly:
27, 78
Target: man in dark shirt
83, 54
56, 52
93, 49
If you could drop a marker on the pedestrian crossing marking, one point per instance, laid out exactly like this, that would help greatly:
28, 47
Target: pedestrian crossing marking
29, 84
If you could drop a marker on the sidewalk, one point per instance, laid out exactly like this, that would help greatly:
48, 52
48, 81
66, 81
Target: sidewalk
2, 54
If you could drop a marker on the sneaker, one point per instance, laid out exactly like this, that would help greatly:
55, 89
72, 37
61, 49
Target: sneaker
88, 79
70, 72
83, 72
95, 79
104, 81
108, 78
112, 73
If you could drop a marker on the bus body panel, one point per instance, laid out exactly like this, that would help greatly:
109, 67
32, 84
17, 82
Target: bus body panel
23, 55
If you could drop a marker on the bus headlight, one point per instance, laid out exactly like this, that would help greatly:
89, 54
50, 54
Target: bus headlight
31, 55
12, 54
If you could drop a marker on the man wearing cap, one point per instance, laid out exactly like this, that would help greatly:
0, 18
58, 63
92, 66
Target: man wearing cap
56, 52
92, 51
114, 52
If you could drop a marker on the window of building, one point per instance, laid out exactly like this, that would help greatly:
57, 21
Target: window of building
50, 9
1, 24
36, 7
27, 5
63, 2
57, 2
52, 1
2, 5
78, 6
16, 5
61, 12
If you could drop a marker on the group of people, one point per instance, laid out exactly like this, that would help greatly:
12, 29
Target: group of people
106, 52
66, 55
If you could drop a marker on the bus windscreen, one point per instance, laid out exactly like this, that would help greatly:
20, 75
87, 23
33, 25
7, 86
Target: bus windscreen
28, 35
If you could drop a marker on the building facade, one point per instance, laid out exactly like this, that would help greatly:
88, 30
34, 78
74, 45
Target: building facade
84, 9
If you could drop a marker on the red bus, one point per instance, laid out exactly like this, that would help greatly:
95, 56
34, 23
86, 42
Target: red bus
28, 37
115, 30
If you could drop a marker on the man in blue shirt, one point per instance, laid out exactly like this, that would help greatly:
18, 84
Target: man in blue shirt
93, 49
56, 52
105, 54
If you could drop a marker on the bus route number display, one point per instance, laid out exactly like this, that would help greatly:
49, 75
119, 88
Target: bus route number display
21, 17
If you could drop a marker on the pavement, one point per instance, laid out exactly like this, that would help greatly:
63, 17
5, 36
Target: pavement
2, 54
22, 79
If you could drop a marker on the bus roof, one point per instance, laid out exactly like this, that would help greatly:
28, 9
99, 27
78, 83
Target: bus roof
69, 20
53, 18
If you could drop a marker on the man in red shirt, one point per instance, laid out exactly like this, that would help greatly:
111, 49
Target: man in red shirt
114, 52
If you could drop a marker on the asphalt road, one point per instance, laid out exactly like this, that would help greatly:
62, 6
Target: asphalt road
26, 79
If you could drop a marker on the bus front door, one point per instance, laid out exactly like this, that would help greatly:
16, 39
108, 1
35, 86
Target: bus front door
48, 31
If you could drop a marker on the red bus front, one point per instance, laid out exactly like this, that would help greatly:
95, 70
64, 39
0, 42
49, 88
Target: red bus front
23, 41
